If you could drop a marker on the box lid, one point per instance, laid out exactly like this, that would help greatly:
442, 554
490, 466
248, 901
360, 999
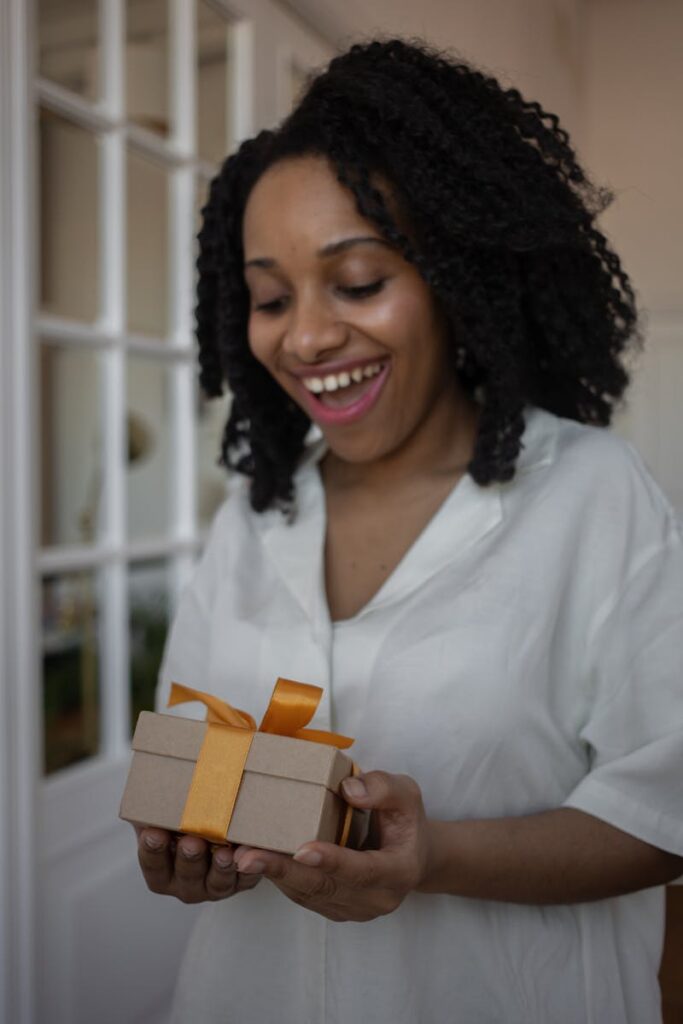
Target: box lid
182, 738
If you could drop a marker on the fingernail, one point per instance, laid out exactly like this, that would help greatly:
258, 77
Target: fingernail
191, 855
223, 861
355, 788
154, 844
310, 857
254, 867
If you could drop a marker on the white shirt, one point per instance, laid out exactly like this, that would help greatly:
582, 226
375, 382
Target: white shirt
527, 653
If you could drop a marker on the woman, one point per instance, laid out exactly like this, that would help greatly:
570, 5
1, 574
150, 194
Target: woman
488, 586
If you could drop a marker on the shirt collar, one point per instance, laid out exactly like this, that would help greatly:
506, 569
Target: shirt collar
539, 440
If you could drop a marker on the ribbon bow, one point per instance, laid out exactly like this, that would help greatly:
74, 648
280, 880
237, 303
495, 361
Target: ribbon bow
229, 732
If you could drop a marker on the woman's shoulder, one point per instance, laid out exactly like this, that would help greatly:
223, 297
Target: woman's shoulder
597, 488
583, 457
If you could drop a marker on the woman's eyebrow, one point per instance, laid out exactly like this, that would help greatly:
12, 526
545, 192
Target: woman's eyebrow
346, 243
331, 249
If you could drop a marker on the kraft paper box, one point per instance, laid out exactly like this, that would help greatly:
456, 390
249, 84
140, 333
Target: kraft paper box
288, 794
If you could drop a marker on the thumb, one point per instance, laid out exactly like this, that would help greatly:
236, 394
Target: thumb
396, 803
382, 791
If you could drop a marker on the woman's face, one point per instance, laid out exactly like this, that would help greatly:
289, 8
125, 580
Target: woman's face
345, 325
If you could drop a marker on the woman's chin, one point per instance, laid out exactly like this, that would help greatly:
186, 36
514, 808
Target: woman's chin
356, 451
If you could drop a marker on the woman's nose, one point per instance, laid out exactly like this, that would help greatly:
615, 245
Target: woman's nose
313, 330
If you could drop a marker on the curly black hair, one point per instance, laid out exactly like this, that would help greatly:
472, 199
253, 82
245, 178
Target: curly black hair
503, 229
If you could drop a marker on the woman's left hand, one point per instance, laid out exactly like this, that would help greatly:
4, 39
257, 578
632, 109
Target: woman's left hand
351, 885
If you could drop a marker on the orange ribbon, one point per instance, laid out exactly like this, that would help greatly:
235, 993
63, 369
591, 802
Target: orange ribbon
229, 732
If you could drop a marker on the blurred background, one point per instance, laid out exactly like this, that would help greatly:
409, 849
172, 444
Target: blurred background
113, 118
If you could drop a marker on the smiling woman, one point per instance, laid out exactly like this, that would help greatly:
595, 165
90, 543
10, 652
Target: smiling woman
411, 263
478, 193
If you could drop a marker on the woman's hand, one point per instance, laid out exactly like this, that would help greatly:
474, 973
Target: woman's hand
187, 868
350, 885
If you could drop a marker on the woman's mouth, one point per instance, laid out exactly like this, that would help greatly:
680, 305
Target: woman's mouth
344, 397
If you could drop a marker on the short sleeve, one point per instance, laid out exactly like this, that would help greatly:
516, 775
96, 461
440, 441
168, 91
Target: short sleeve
634, 727
188, 644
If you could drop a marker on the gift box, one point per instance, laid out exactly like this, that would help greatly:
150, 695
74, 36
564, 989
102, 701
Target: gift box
234, 783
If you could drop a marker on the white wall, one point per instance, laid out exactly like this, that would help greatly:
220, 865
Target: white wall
632, 140
633, 70
530, 43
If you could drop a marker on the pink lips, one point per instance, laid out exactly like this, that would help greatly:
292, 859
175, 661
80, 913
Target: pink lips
349, 413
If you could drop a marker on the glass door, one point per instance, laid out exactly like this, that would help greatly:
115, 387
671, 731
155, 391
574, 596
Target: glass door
135, 111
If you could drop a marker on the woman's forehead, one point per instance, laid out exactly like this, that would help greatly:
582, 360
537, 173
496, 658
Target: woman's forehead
300, 199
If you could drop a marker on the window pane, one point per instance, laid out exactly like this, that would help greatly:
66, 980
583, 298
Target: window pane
147, 247
214, 131
71, 445
68, 44
148, 590
71, 669
212, 479
147, 63
149, 427
69, 219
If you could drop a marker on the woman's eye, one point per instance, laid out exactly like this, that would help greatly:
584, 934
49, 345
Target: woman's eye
273, 306
362, 291
359, 291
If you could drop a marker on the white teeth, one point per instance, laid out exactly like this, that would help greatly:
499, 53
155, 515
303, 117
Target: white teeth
334, 381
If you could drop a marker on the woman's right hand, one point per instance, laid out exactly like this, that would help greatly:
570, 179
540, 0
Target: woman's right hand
186, 867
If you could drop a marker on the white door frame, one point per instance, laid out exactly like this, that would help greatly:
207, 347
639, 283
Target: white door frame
19, 703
